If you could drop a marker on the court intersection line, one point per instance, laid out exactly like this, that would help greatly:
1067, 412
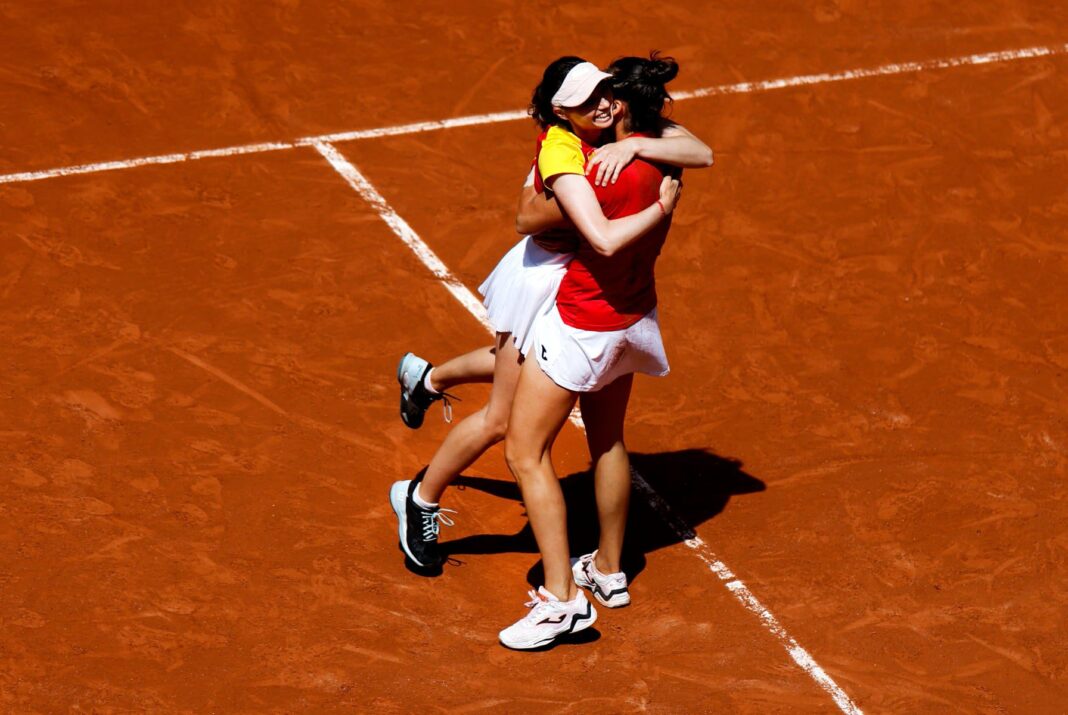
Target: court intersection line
682, 530
496, 117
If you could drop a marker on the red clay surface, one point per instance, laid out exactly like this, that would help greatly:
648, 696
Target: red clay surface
863, 304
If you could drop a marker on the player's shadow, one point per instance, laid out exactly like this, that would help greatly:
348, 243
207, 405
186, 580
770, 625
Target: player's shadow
690, 486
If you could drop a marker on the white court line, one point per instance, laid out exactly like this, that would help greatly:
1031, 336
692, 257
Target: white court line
478, 119
682, 530
985, 58
400, 227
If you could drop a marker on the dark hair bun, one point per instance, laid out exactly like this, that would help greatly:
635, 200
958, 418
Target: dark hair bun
639, 82
661, 70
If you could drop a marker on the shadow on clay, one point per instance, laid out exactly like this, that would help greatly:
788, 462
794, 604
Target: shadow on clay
696, 483
590, 635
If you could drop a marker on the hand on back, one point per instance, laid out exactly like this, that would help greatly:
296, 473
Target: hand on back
608, 161
670, 191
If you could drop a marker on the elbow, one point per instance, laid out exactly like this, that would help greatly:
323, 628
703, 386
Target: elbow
602, 249
603, 243
707, 159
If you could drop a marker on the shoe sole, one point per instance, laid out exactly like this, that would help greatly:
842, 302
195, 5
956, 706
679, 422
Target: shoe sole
409, 422
400, 369
415, 423
578, 624
398, 495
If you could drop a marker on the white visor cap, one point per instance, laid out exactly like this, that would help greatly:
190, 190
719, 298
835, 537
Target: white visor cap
579, 85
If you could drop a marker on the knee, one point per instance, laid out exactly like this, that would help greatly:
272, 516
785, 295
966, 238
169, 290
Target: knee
521, 462
494, 427
606, 448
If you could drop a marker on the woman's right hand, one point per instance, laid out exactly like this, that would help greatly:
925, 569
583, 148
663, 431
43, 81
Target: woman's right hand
670, 191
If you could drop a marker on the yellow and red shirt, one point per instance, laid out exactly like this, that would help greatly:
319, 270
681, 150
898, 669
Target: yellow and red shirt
559, 152
603, 293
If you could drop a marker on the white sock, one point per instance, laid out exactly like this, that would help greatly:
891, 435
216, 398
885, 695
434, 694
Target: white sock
426, 382
420, 501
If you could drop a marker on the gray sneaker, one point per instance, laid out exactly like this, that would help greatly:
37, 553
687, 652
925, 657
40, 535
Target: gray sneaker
415, 399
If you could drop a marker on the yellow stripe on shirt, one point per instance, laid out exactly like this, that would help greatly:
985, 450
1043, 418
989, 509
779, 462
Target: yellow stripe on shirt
561, 153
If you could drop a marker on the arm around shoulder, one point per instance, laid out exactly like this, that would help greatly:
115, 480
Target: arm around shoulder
606, 237
676, 146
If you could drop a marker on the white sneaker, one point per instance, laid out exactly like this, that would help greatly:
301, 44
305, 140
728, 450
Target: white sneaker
609, 589
548, 619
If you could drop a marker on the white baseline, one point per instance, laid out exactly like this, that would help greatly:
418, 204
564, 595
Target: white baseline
682, 530
478, 119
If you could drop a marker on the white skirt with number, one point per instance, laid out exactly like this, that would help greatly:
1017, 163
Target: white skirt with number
588, 360
521, 288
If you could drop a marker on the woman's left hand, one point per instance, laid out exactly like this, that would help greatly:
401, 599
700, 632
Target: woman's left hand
609, 160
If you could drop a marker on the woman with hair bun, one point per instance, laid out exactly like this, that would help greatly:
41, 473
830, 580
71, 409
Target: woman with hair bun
602, 329
573, 107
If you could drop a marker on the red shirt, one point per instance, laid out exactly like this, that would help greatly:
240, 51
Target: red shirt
604, 293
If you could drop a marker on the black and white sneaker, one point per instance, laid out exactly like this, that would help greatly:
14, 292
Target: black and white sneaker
418, 527
609, 589
415, 399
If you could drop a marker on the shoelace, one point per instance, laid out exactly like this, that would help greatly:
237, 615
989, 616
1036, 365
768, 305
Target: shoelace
538, 606
446, 406
432, 521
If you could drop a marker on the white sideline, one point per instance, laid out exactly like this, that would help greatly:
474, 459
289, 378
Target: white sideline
882, 71
738, 88
400, 227
682, 530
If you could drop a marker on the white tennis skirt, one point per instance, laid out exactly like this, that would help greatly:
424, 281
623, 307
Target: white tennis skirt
521, 288
588, 360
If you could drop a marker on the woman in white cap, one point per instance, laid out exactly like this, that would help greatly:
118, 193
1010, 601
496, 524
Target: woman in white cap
521, 287
602, 329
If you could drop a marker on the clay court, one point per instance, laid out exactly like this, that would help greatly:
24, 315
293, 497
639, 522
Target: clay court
852, 490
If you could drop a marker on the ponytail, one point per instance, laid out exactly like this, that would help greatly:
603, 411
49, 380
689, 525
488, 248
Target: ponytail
640, 83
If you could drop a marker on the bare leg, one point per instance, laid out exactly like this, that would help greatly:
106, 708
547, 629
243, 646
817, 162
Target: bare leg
541, 408
476, 433
475, 366
604, 413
